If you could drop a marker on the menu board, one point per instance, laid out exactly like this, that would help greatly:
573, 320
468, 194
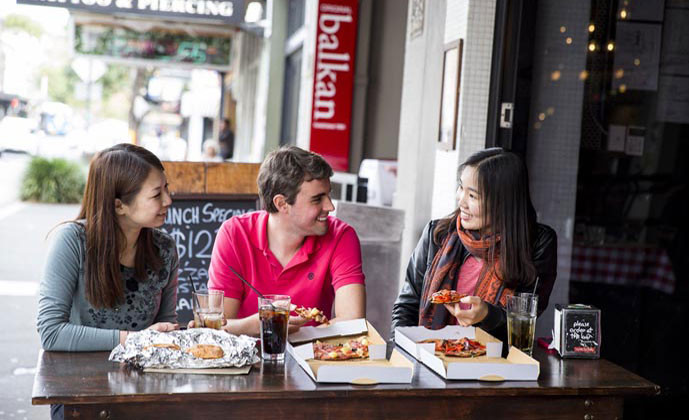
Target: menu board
194, 222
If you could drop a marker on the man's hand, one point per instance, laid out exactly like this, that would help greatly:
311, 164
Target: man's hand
296, 322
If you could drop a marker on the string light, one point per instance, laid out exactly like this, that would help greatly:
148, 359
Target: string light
592, 27
555, 76
611, 46
623, 88
563, 29
592, 46
623, 13
568, 40
583, 75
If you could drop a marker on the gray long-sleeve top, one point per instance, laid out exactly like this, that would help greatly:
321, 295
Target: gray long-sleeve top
67, 321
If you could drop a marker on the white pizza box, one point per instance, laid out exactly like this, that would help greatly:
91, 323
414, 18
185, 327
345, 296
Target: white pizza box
335, 329
375, 369
518, 366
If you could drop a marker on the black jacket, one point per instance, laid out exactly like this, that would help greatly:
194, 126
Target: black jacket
405, 312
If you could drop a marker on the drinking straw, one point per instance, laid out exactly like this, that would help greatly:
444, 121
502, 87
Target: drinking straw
193, 288
250, 285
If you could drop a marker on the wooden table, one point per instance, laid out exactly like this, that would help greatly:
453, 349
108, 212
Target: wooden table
91, 387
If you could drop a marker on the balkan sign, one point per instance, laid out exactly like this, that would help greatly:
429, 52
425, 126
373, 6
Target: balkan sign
221, 11
334, 81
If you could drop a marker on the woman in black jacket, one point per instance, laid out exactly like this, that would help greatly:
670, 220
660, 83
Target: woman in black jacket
490, 247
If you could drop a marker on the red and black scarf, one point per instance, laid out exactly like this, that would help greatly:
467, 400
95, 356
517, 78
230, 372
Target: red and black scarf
444, 270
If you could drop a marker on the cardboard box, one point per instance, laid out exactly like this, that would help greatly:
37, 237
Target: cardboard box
375, 369
518, 366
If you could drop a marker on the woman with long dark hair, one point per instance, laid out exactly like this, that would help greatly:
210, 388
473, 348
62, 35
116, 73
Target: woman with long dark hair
489, 248
111, 271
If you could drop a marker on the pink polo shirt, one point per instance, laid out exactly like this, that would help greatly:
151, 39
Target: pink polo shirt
322, 265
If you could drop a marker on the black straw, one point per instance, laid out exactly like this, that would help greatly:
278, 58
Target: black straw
193, 288
246, 282
250, 285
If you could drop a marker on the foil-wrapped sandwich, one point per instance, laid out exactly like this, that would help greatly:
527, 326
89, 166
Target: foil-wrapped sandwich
196, 348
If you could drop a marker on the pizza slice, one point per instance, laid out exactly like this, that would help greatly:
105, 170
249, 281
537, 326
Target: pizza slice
446, 296
314, 314
352, 349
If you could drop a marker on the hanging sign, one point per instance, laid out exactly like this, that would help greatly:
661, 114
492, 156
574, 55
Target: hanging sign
221, 11
333, 81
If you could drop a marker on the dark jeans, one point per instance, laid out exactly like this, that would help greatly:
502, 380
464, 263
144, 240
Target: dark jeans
57, 412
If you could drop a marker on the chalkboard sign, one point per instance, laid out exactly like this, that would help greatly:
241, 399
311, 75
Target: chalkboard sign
577, 331
194, 221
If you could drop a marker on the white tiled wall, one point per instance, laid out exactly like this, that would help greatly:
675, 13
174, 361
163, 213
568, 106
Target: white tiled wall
419, 117
472, 20
426, 180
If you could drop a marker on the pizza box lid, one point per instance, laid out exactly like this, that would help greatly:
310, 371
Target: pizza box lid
336, 329
491, 367
375, 369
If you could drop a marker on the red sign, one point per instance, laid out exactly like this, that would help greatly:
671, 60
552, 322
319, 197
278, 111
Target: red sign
333, 81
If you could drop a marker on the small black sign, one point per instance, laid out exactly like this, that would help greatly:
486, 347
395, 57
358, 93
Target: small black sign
577, 331
194, 223
581, 332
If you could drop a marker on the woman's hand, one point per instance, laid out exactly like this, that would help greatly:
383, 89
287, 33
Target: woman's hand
471, 316
192, 323
158, 326
163, 326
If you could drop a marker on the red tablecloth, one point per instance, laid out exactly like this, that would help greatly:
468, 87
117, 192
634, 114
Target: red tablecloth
623, 265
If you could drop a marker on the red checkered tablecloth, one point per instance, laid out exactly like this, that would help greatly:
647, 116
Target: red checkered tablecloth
623, 265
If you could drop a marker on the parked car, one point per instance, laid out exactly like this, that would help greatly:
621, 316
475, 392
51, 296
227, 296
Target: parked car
17, 134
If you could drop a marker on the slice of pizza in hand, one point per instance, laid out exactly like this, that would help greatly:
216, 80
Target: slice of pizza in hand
314, 314
446, 296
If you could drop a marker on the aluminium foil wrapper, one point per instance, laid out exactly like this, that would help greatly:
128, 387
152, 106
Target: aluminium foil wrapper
139, 349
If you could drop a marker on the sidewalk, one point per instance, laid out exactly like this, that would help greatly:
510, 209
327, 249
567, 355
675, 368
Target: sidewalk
23, 228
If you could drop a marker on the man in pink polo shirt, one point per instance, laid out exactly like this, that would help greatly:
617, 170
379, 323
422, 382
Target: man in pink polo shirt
292, 247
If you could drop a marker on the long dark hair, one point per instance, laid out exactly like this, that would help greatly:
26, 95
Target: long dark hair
503, 184
117, 172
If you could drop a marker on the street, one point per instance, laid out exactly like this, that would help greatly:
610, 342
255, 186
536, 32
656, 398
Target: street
23, 245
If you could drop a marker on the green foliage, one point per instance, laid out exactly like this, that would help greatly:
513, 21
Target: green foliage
53, 181
23, 23
61, 84
116, 79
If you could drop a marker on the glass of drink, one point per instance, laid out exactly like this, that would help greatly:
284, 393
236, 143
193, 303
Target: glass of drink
273, 311
521, 321
208, 309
